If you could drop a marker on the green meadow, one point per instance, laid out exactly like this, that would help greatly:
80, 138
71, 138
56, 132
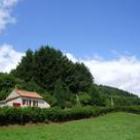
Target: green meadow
113, 126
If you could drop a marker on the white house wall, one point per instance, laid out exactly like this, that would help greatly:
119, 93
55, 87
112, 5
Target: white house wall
41, 102
17, 100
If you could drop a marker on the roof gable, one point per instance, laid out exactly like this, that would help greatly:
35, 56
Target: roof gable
23, 93
29, 94
12, 95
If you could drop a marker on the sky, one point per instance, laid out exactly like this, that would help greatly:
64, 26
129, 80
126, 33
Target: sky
103, 34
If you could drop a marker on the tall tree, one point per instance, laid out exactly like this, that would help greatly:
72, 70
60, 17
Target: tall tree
47, 65
81, 78
25, 68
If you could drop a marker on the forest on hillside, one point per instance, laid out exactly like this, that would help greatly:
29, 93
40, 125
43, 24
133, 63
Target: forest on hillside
61, 82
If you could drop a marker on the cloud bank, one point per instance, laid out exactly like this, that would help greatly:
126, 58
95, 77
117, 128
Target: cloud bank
9, 58
122, 72
6, 7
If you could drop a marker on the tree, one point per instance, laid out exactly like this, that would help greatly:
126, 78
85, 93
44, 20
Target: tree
85, 98
96, 98
59, 94
7, 83
25, 68
80, 79
47, 65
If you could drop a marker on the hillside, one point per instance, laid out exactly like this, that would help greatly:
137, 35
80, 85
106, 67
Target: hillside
112, 126
118, 96
115, 91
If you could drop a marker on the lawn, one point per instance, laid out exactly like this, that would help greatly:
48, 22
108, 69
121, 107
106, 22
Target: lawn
114, 126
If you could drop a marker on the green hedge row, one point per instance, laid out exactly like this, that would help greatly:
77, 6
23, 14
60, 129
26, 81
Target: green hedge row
34, 115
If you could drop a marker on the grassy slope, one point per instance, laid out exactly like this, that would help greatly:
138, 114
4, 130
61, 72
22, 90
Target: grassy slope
115, 126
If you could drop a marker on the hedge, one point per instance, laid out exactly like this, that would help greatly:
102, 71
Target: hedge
34, 115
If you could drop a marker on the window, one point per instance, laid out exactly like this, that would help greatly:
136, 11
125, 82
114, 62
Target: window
30, 102
24, 101
35, 103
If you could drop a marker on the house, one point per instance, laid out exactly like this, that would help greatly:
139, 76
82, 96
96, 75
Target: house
22, 98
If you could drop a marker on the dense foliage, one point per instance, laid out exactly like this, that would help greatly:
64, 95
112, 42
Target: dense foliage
117, 97
7, 82
34, 115
47, 65
61, 82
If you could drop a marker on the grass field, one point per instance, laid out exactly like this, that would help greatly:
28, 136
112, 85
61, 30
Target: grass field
114, 126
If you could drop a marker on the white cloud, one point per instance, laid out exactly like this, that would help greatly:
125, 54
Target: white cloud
6, 7
9, 58
71, 57
123, 72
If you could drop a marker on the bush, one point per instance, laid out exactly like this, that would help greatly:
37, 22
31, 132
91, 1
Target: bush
130, 109
34, 115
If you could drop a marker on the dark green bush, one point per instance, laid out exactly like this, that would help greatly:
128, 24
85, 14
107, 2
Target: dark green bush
35, 115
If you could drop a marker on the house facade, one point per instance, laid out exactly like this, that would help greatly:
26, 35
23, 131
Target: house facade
22, 98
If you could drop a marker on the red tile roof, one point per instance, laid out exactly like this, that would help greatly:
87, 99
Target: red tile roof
29, 94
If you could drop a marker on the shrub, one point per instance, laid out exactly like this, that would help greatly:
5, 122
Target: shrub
34, 115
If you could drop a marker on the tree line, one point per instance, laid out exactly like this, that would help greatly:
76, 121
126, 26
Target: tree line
61, 82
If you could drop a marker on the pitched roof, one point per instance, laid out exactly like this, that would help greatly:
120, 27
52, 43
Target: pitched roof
29, 94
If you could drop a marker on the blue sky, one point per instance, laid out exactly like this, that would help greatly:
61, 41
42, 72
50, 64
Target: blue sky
82, 27
103, 34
